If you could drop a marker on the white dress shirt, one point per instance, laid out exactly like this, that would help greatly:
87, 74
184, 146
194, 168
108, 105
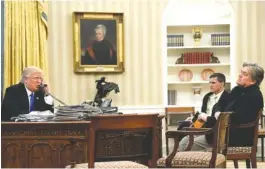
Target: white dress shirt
213, 99
48, 99
28, 93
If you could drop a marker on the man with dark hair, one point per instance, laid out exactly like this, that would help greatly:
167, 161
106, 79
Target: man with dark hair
213, 101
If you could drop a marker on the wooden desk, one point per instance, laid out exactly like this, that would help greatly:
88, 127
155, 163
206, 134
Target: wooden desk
125, 137
48, 144
43, 144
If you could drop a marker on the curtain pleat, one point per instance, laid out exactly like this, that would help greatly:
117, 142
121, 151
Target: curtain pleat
25, 38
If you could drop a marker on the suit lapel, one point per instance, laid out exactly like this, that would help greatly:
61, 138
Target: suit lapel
24, 98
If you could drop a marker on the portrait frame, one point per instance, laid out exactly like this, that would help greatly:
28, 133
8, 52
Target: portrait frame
88, 56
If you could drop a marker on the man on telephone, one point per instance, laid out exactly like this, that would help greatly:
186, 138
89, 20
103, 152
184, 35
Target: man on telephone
212, 102
28, 95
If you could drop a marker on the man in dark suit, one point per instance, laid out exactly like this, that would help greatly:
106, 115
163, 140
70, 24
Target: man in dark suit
27, 95
213, 101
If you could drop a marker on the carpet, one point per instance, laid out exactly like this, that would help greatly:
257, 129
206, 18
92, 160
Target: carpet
242, 164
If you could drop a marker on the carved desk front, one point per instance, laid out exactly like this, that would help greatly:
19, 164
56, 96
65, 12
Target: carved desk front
43, 144
49, 144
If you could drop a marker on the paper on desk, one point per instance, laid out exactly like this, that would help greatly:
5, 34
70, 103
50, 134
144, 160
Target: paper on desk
42, 113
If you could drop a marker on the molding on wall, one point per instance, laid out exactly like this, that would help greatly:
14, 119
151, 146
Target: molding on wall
142, 109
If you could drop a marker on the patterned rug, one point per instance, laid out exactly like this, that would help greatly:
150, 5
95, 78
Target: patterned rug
242, 164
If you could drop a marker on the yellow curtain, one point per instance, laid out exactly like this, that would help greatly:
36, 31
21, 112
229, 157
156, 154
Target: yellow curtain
25, 38
249, 34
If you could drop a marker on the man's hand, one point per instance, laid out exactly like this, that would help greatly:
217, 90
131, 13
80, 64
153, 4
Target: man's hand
203, 117
188, 118
216, 114
48, 100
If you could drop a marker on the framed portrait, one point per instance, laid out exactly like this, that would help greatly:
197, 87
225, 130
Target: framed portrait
98, 42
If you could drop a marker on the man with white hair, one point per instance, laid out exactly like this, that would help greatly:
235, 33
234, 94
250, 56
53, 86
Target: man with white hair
28, 95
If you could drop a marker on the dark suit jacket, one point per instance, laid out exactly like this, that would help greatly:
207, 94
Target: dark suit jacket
100, 53
16, 102
245, 104
219, 106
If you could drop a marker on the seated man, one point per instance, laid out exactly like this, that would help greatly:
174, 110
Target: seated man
26, 96
212, 101
245, 100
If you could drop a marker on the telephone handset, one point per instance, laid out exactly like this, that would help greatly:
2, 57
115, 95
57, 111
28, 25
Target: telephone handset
41, 88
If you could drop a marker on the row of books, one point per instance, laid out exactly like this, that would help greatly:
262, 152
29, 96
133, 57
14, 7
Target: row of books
220, 39
175, 40
172, 97
195, 57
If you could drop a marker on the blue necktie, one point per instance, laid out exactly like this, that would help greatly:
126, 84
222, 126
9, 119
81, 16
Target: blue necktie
31, 102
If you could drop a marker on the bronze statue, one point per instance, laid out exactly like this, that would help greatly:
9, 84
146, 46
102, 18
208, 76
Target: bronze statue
104, 88
180, 60
214, 59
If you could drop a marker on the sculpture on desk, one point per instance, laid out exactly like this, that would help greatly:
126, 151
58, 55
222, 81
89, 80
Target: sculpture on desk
104, 88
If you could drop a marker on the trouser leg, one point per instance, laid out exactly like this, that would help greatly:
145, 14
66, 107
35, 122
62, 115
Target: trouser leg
199, 144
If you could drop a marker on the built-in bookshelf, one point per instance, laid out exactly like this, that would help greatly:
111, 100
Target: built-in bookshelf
189, 64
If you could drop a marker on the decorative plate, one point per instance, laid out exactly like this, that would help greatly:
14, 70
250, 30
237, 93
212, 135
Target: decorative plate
206, 73
185, 75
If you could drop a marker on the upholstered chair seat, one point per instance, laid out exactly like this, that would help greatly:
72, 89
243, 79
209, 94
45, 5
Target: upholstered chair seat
111, 164
261, 132
238, 150
192, 159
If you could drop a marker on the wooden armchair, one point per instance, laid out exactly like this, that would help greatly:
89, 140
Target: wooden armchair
119, 141
176, 110
261, 135
246, 153
200, 159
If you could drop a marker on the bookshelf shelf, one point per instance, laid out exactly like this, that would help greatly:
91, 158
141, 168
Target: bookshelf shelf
197, 47
190, 82
198, 65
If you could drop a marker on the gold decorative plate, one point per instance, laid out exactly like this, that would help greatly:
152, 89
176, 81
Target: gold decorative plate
206, 73
185, 75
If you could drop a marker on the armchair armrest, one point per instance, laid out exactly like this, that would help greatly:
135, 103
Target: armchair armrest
173, 134
195, 129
